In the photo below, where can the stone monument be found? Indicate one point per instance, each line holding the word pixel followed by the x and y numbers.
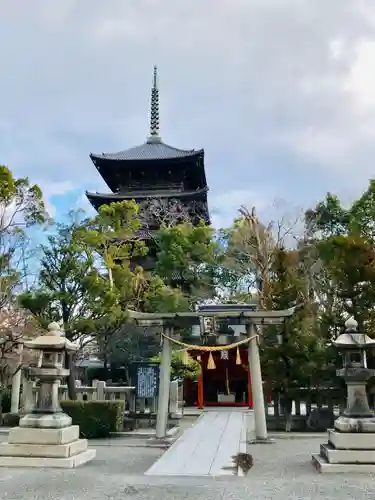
pixel 46 437
pixel 351 444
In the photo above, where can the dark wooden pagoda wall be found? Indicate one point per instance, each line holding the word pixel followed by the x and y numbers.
pixel 182 174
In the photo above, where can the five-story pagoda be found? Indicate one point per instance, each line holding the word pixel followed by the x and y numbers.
pixel 164 178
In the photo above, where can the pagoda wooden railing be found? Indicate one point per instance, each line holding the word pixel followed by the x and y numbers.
pixel 155 186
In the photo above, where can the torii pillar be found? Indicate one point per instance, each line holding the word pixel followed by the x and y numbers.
pixel 16 382
pixel 261 435
pixel 164 385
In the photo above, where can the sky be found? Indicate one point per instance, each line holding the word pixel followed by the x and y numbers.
pixel 279 93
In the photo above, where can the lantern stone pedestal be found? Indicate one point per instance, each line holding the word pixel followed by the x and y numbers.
pixel 46 436
pixel 351 444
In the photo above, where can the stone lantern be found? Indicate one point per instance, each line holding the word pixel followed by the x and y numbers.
pixel 46 437
pixel 50 371
pixel 351 444
pixel 353 346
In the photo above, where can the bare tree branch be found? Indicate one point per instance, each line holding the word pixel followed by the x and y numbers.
pixel 252 249
pixel 157 212
pixel 16 326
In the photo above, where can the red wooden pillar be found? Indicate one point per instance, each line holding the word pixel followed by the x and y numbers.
pixel 269 397
pixel 249 389
pixel 200 402
pixel 200 392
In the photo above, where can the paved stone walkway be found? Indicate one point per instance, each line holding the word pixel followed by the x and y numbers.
pixel 206 448
pixel 282 471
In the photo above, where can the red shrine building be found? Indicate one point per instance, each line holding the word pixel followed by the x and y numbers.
pixel 226 381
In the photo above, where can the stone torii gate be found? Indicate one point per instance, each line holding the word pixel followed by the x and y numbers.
pixel 172 322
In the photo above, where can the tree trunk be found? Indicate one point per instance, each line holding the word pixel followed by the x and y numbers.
pixel 105 358
pixel 287 403
pixel 127 377
pixel 69 365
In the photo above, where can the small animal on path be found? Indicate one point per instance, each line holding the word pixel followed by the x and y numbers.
pixel 243 461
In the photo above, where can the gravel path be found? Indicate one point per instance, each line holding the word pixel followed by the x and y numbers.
pixel 282 471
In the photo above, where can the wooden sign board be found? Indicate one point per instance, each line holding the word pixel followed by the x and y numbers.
pixel 147 382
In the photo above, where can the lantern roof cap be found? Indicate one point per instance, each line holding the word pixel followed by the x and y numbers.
pixel 351 324
pixel 352 339
pixel 54 339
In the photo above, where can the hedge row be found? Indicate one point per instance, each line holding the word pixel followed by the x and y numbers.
pixel 96 419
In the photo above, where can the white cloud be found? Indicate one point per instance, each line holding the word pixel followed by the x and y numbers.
pixel 274 90
pixel 224 206
pixel 82 203
pixel 323 146
pixel 336 48
pixel 360 81
pixel 51 189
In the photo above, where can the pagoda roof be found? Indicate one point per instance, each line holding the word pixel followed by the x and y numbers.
pixel 149 193
pixel 150 150
pixel 154 148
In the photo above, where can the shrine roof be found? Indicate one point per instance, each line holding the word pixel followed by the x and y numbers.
pixel 150 150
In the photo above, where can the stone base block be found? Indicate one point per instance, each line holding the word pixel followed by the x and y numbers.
pixel 351 440
pixel 348 424
pixel 334 456
pixel 44 462
pixel 45 451
pixel 261 441
pixel 53 421
pixel 25 435
pixel 323 466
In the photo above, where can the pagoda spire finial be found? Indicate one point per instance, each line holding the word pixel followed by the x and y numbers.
pixel 154 110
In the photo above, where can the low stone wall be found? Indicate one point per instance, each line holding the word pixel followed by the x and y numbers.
pixel 98 392
pixel 318 420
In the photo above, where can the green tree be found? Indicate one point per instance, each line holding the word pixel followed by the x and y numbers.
pixel 112 237
pixel 250 248
pixel 344 243
pixel 128 345
pixel 349 262
pixel 362 214
pixel 185 259
pixel 296 361
pixel 302 357
pixel 328 218
pixel 71 290
pixel 21 210
pixel 181 367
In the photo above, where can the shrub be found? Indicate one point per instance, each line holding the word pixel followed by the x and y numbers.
pixel 5 399
pixel 182 366
pixel 11 420
pixel 96 419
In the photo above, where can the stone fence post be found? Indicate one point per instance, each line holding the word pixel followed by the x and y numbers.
pixel 100 389
pixel 174 409
pixel 27 403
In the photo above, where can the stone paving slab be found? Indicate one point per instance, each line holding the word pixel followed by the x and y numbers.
pixel 282 471
pixel 206 448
